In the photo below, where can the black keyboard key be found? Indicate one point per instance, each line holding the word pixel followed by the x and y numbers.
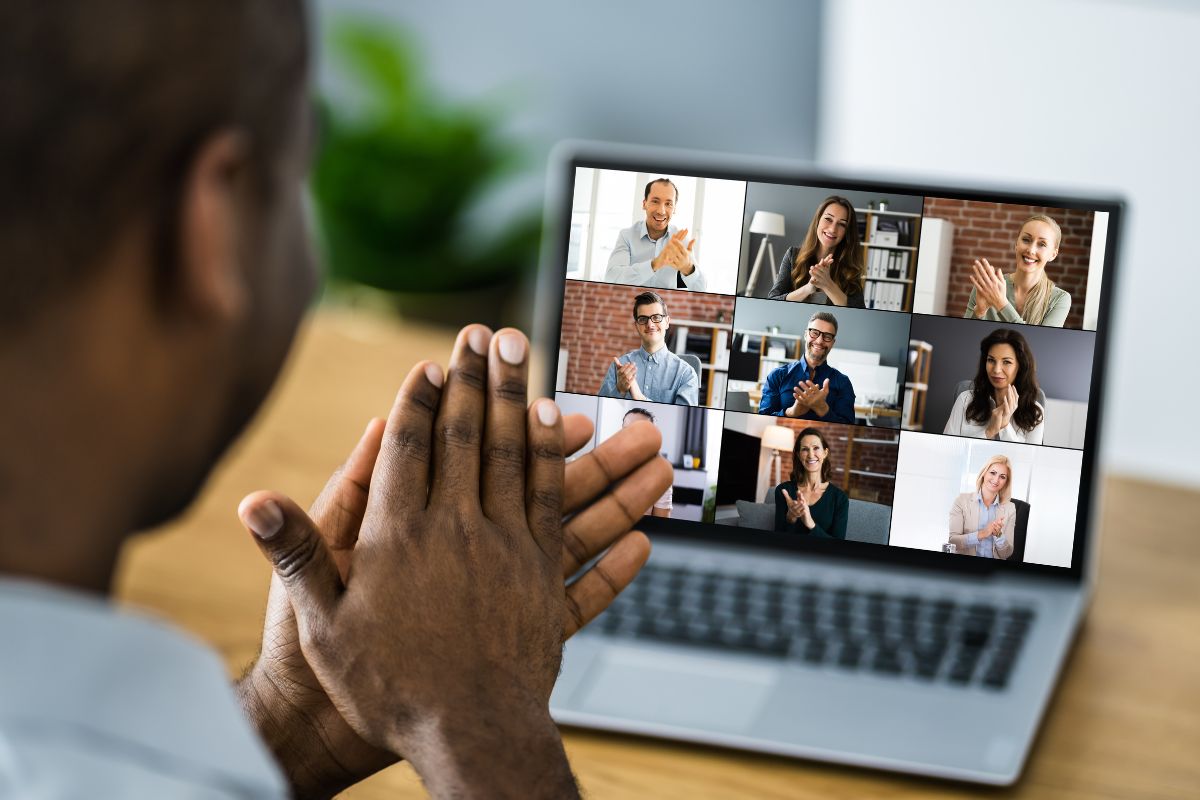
pixel 850 655
pixel 887 661
pixel 814 651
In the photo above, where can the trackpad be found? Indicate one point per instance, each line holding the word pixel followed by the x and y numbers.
pixel 693 691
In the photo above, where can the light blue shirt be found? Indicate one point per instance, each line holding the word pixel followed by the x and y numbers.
pixel 663 377
pixel 987 515
pixel 631 257
pixel 96 702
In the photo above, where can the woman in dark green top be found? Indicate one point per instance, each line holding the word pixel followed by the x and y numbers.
pixel 809 503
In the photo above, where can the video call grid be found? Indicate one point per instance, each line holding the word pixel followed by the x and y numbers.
pixel 809 308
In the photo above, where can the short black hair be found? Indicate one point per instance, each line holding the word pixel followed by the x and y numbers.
pixel 825 316
pixel 648 298
pixel 639 410
pixel 105 106
pixel 646 194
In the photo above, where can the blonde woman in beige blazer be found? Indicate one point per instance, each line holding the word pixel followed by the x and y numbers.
pixel 982 522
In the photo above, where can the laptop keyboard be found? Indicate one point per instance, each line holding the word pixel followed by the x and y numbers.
pixel 932 639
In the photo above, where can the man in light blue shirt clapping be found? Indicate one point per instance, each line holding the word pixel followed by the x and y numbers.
pixel 654 252
pixel 652 373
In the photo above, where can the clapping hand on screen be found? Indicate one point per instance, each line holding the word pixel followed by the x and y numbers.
pixel 797 509
pixel 990 289
pixel 1003 412
pixel 676 254
pixel 993 528
pixel 627 379
pixel 819 275
pixel 808 396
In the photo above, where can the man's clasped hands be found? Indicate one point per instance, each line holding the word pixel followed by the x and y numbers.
pixel 420 608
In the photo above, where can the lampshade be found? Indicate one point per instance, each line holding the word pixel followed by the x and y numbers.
pixel 767 222
pixel 777 437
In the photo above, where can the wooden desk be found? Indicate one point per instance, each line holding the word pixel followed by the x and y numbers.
pixel 1125 722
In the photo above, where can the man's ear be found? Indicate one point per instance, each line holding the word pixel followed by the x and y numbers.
pixel 211 218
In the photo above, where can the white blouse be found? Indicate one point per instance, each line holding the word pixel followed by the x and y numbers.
pixel 959 425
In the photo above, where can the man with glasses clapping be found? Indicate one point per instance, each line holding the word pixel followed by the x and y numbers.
pixel 810 388
pixel 652 373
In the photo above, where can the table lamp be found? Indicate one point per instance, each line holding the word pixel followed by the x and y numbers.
pixel 777 438
pixel 769 224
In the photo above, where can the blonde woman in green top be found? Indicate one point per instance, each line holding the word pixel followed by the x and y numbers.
pixel 998 297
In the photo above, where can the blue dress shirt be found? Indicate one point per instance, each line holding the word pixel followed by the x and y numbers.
pixel 987 514
pixel 631 257
pixel 777 395
pixel 663 376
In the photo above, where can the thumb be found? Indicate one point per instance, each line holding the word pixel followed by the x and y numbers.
pixel 691 244
pixel 296 550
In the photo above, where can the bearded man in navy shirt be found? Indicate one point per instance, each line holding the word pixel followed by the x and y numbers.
pixel 810 388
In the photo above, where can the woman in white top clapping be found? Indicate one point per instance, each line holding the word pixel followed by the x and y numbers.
pixel 1002 404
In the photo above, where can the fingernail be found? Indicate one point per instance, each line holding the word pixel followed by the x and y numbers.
pixel 265 519
pixel 547 413
pixel 512 348
pixel 478 340
pixel 433 374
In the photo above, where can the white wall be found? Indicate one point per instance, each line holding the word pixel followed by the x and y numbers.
pixel 1056 94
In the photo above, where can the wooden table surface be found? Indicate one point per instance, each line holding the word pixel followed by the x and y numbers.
pixel 1125 722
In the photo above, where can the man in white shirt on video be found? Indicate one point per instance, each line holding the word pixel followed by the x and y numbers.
pixel 654 252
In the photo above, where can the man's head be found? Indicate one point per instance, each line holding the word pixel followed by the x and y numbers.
pixel 153 157
pixel 650 320
pixel 636 415
pixel 659 202
pixel 819 337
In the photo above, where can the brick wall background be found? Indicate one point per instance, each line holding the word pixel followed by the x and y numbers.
pixel 848 441
pixel 989 230
pixel 598 325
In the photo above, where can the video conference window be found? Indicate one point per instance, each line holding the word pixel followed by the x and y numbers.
pixel 854 365
pixel 691 443
pixel 655 230
pixel 986 380
pixel 830 246
pixel 646 345
pixel 828 364
pixel 1009 263
pixel 986 499
pixel 807 478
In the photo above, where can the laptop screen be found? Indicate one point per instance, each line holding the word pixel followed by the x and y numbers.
pixel 897 372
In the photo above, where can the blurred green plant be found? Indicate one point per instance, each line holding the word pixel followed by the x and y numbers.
pixel 398 172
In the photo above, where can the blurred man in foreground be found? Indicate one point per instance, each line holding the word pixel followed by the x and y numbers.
pixel 154 265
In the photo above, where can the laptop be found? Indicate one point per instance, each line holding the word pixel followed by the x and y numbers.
pixel 880 539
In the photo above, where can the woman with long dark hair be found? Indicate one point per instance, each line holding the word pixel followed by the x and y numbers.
pixel 810 503
pixel 1002 403
pixel 1026 295
pixel 828 267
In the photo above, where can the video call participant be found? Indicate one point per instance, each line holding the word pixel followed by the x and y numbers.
pixel 808 502
pixel 662 506
pixel 828 266
pixel 654 252
pixel 982 522
pixel 652 373
pixel 810 388
pixel 997 296
pixel 1003 402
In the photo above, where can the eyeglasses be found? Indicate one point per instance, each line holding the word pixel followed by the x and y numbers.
pixel 655 318
pixel 813 333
